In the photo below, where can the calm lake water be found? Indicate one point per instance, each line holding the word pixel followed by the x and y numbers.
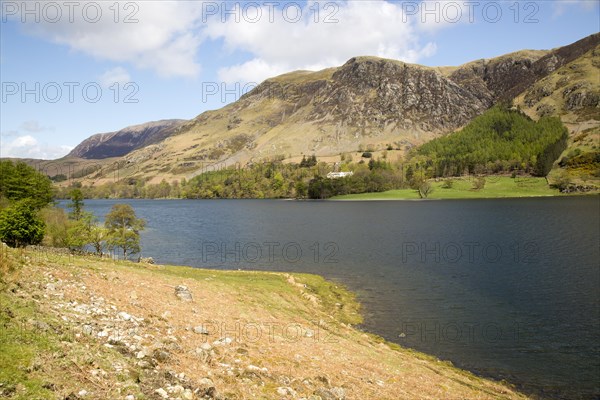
pixel 505 288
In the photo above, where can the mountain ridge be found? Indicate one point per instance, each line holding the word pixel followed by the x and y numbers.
pixel 123 141
pixel 366 103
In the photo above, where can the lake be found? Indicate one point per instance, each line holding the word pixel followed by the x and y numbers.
pixel 506 288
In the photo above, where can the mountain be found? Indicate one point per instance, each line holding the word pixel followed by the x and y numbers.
pixel 571 91
pixel 116 144
pixel 505 77
pixel 368 103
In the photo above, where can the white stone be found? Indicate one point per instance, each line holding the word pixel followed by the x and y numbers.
pixel 123 315
pixel 225 340
pixel 175 389
pixel 205 382
pixel 205 346
pixel 200 330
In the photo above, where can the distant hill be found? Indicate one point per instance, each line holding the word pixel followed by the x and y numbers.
pixel 120 143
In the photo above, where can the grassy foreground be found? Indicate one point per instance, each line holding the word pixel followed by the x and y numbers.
pixel 462 188
pixel 74 327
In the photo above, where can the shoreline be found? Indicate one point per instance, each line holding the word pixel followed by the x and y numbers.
pixel 324 313
pixel 472 198
pixel 337 198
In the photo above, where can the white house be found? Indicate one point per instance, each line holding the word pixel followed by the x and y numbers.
pixel 334 175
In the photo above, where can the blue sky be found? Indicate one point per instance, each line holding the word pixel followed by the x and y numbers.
pixel 72 69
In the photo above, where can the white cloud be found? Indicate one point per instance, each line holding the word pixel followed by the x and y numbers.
pixel 561 6
pixel 26 146
pixel 163 38
pixel 34 126
pixel 373 28
pixel 168 35
pixel 115 75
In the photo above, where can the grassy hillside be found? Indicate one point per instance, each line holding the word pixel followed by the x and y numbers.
pixel 85 328
pixel 463 188
pixel 572 92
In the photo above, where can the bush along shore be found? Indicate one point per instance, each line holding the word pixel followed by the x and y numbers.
pixel 84 327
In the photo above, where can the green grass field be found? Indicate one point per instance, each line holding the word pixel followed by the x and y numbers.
pixel 462 188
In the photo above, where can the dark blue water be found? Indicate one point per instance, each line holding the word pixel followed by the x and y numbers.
pixel 505 288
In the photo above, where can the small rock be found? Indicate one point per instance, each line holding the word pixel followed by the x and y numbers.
pixel 115 340
pixel 41 325
pixel 124 316
pixel 87 330
pixel 162 393
pixel 144 364
pixel 129 397
pixel 339 393
pixel 286 391
pixel 254 368
pixel 200 330
pixel 205 346
pixel 161 355
pixel 223 341
pixel 82 393
pixel 205 382
pixel 335 393
pixel 175 389
pixel 183 293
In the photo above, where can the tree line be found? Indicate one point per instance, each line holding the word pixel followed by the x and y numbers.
pixel 28 216
pixel 500 141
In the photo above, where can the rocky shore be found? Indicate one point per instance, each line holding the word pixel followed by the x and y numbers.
pixel 77 327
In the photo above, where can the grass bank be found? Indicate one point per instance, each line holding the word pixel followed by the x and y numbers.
pixel 462 188
pixel 75 327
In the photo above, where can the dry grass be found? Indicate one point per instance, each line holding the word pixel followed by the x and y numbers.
pixel 298 327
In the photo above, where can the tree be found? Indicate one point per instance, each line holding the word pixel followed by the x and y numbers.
pixel 301 189
pixel 479 183
pixel 20 225
pixel 563 181
pixel 87 231
pixel 308 162
pixel 98 235
pixel 278 181
pixel 79 232
pixel 76 204
pixel 425 189
pixel 123 228
pixel 20 181
pixel 448 183
pixel 57 225
pixel 320 188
